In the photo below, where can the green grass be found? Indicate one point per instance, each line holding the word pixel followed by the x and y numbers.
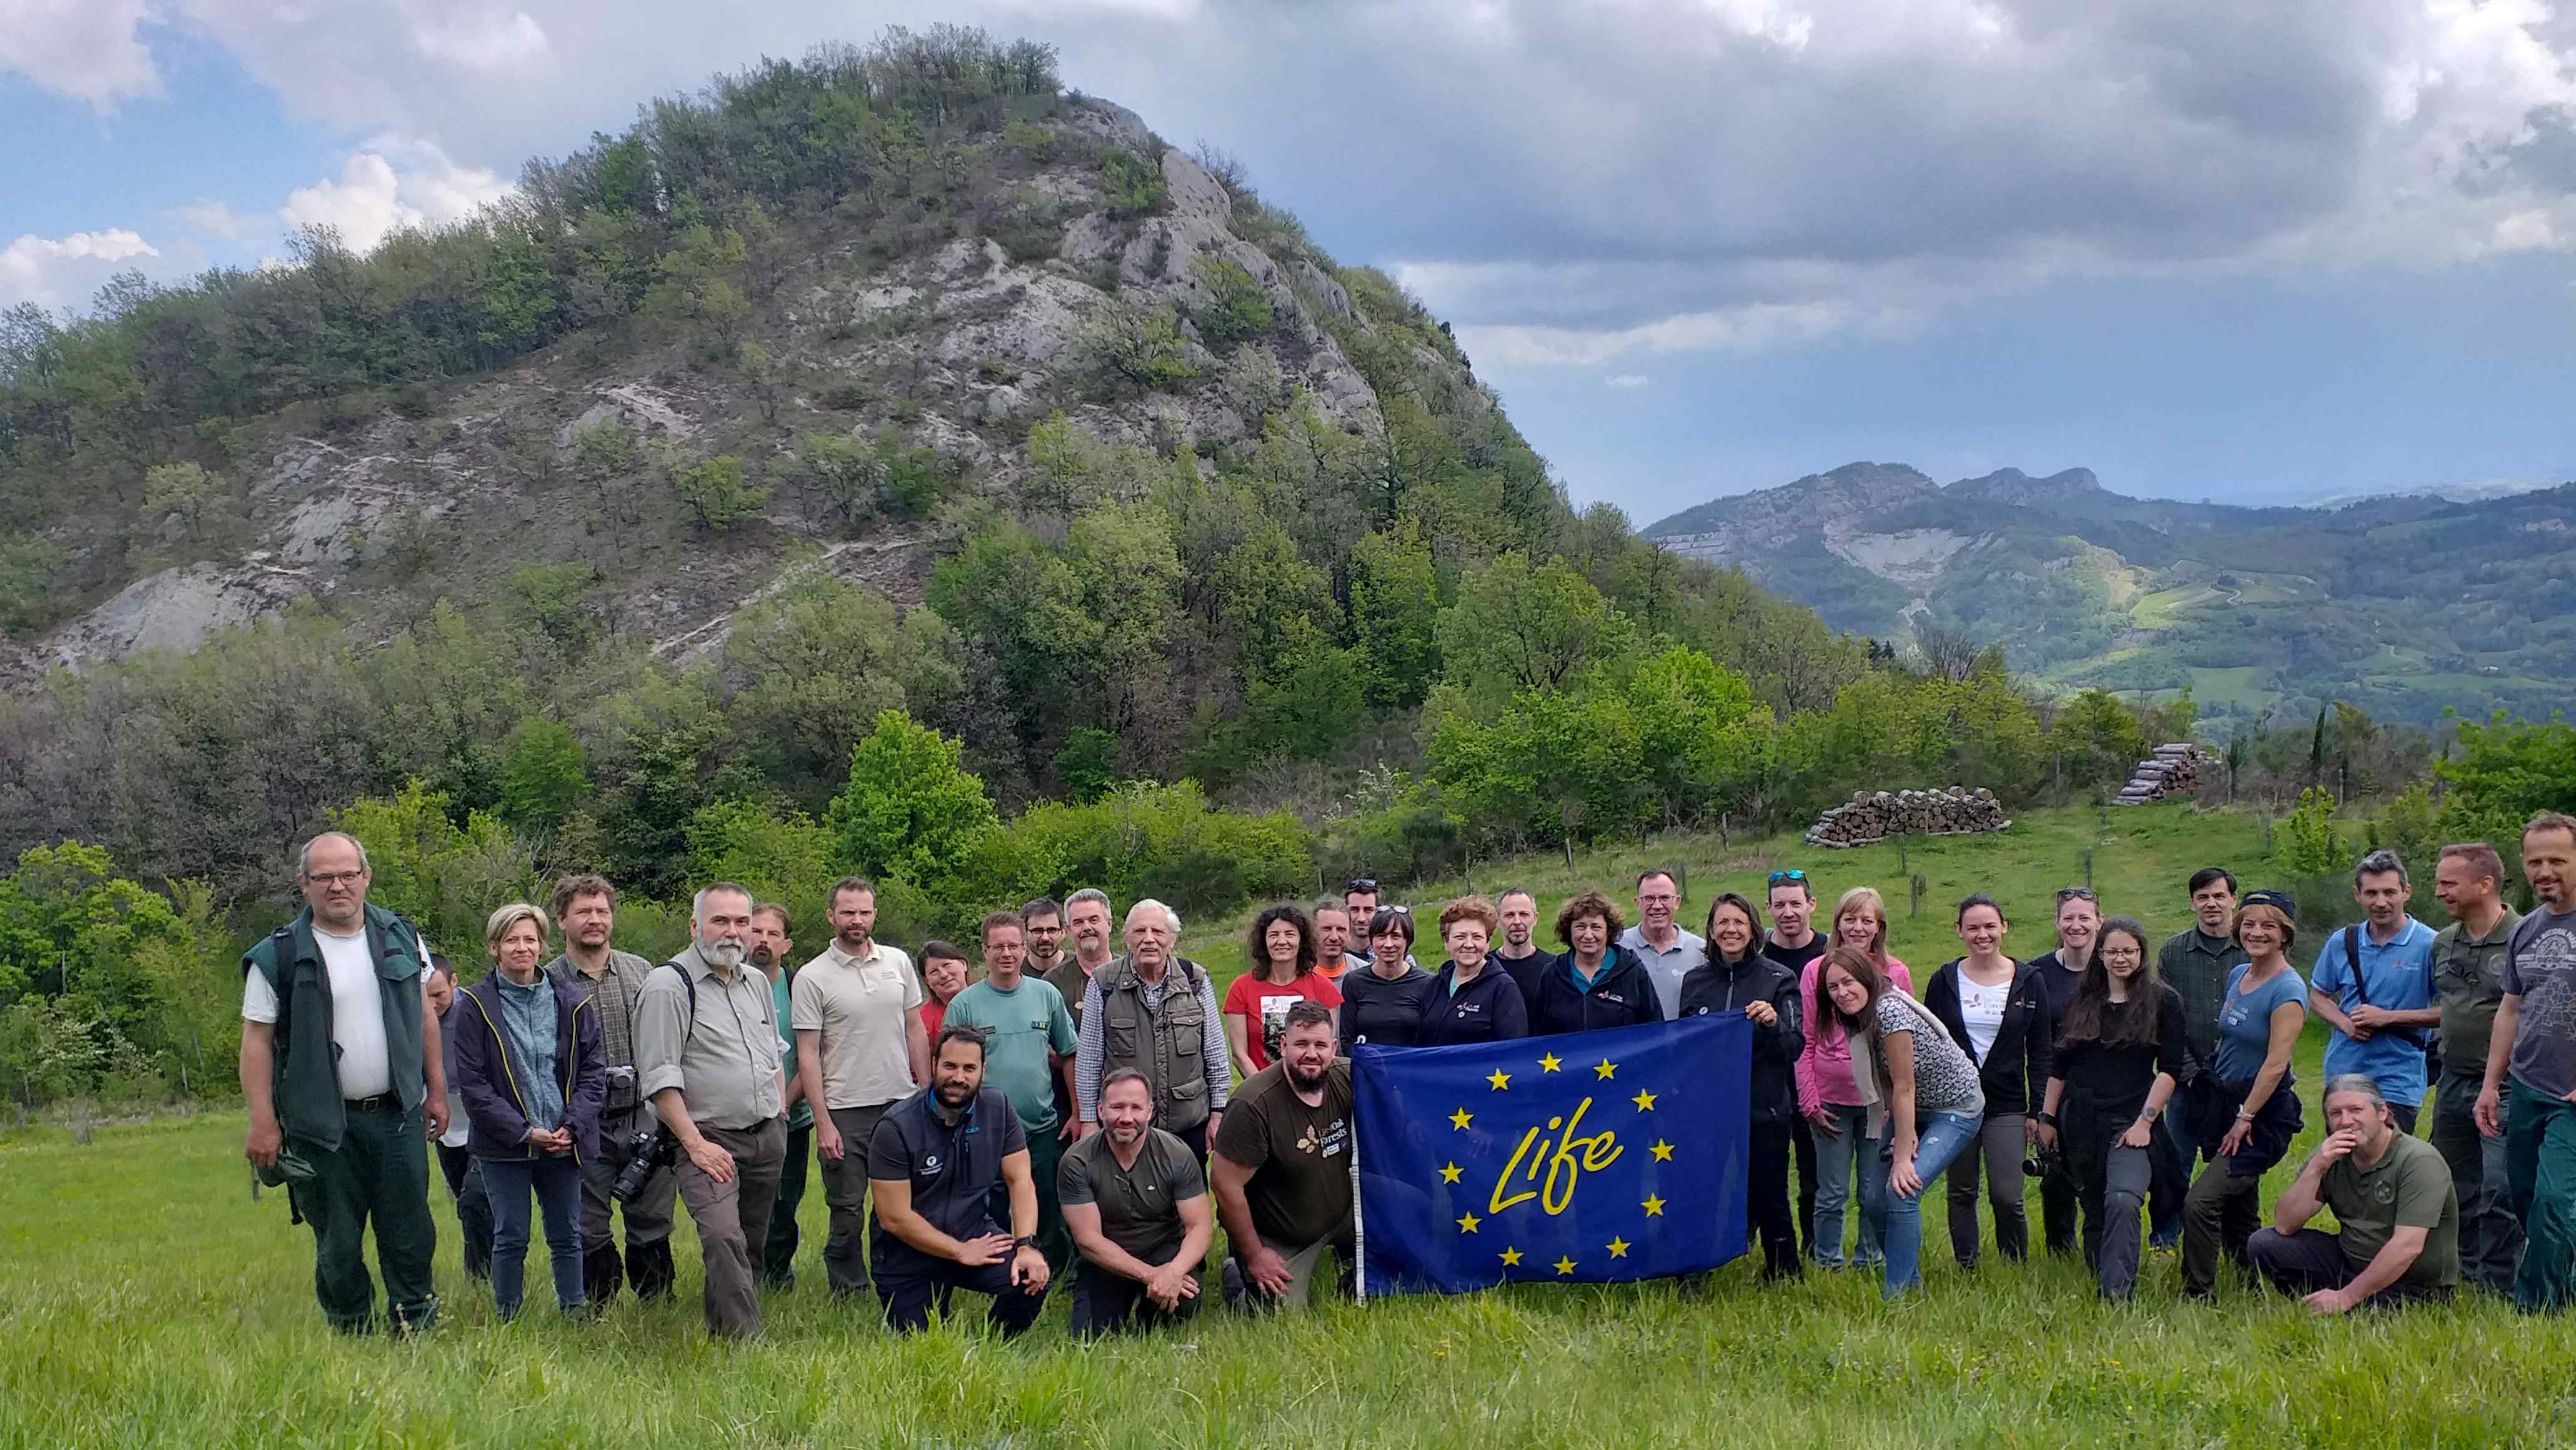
pixel 145 1299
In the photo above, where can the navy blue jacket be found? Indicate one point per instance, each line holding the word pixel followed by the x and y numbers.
pixel 487 1072
pixel 1622 996
pixel 1488 1009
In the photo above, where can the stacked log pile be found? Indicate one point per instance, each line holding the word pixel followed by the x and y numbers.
pixel 1874 816
pixel 2172 770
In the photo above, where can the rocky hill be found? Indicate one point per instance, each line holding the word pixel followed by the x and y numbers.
pixel 893 378
pixel 2405 604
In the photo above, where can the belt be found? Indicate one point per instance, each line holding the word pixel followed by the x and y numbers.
pixel 380 1103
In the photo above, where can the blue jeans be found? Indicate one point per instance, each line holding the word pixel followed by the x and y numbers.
pixel 1837 1158
pixel 1898 1217
pixel 557 1184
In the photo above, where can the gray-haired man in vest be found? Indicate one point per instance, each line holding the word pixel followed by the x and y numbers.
pixel 340 1067
pixel 1155 1012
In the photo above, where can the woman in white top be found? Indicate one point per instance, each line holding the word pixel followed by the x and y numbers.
pixel 1997 1011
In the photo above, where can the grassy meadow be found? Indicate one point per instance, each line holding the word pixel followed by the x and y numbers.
pixel 146 1299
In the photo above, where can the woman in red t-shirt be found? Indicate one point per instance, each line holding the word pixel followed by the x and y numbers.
pixel 1281 949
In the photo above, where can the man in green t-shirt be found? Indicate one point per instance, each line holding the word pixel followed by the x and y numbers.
pixel 1028 1051
pixel 2390 1192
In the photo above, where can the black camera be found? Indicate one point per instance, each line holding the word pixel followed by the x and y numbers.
pixel 649 1152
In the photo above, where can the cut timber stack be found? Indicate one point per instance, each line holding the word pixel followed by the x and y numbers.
pixel 1875 816
pixel 2173 770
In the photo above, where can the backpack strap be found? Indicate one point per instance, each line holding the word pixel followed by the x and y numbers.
pixel 282 941
pixel 2352 958
pixel 688 988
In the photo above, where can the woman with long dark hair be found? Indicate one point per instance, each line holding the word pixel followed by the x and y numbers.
pixel 1828 1097
pixel 2120 1055
pixel 1924 1105
pixel 1280 949
pixel 1997 1009
pixel 1737 978
pixel 2244 1109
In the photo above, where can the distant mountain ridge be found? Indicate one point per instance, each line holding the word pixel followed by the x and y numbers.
pixel 2406 604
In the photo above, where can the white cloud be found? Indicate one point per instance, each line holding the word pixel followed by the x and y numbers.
pixel 221 220
pixel 1626 380
pixel 89 49
pixel 372 199
pixel 55 272
pixel 482 40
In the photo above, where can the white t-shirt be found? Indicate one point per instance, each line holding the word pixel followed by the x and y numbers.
pixel 1981 1010
pixel 366 1063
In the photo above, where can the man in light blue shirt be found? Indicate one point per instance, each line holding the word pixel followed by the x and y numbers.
pixel 2374 984
pixel 1662 946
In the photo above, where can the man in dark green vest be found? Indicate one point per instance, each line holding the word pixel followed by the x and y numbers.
pixel 340 1064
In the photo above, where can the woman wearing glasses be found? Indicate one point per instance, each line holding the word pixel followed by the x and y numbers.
pixel 1995 1009
pixel 2245 1110
pixel 1829 1097
pixel 1471 999
pixel 1382 1002
pixel 2118 1058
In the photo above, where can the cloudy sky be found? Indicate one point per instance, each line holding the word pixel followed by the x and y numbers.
pixel 2204 247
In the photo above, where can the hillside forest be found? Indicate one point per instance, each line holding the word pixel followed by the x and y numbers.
pixel 890 462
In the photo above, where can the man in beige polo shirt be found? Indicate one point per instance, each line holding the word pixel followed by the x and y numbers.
pixel 860 1048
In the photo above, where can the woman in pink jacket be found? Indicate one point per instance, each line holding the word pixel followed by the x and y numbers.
pixel 1827 1094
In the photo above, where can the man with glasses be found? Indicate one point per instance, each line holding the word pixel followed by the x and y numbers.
pixel 2468 971
pixel 346 1082
pixel 1663 947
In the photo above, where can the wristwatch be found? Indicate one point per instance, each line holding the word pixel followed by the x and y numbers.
pixel 1025 1241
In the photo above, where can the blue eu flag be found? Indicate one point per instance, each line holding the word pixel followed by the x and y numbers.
pixel 1591 1157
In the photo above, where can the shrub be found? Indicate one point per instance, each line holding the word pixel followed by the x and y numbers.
pixel 1237 310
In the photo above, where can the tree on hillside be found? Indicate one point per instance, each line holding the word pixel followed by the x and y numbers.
pixel 1516 628
pixel 910 808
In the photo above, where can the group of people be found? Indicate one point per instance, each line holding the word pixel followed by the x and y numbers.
pixel 1092 1106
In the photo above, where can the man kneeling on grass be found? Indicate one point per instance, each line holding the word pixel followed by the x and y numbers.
pixel 933 1166
pixel 1283 1166
pixel 1138 1208
pixel 2390 1193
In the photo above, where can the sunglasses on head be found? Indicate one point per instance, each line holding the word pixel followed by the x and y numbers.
pixel 2076 893
pixel 1792 874
pixel 1398 910
pixel 1359 883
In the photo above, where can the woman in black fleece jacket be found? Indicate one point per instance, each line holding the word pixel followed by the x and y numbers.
pixel 2013 1070
pixel 1737 977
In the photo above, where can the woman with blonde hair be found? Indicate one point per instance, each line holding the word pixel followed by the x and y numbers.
pixel 1829 1099
pixel 533 1075
pixel 1470 999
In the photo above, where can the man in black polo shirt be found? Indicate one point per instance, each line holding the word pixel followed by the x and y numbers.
pixel 933 1165
pixel 1138 1207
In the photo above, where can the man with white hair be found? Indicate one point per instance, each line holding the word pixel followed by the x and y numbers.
pixel 2396 1214
pixel 709 1060
pixel 1155 1012
pixel 345 1080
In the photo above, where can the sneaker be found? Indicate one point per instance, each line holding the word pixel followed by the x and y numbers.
pixel 1230 1280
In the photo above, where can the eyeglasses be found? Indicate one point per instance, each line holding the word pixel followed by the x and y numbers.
pixel 1792 874
pixel 1398 910
pixel 1359 883
pixel 335 878
pixel 2076 893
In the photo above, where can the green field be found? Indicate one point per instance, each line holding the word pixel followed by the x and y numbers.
pixel 145 1299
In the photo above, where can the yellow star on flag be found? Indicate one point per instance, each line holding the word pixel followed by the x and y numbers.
pixel 1511 1258
pixel 1460 1119
pixel 1467 1225
pixel 1653 1206
pixel 1565 1266
pixel 1618 1248
pixel 1550 1063
pixel 1663 1151
pixel 1499 1078
pixel 1449 1172
pixel 1644 1100
pixel 1605 1068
